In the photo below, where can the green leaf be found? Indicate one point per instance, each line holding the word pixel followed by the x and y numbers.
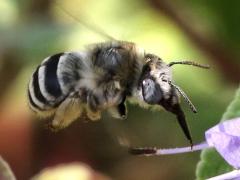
pixel 211 163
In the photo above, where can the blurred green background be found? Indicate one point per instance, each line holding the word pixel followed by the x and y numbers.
pixel 199 30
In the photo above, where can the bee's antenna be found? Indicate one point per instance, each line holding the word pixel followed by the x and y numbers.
pixel 190 63
pixel 85 23
pixel 184 96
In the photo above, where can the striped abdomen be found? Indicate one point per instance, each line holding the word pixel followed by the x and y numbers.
pixel 53 81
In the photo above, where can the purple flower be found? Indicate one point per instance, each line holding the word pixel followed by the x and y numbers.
pixel 225 137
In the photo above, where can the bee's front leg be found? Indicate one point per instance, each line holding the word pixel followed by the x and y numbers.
pixel 119 111
pixel 122 109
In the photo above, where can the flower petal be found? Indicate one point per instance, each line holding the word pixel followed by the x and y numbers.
pixel 225 137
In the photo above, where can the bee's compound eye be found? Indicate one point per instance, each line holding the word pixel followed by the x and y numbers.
pixel 146 83
pixel 151 91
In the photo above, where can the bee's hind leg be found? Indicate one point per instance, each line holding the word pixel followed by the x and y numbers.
pixel 68 111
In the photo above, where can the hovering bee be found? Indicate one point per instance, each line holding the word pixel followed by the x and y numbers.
pixel 68 85
pixel 71 85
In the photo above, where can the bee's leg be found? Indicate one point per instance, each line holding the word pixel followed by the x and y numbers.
pixel 45 114
pixel 93 115
pixel 92 109
pixel 122 110
pixel 119 111
pixel 68 111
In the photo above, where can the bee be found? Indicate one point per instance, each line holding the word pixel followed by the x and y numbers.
pixel 70 85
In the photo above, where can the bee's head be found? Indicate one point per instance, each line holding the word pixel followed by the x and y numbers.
pixel 157 88
pixel 154 80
